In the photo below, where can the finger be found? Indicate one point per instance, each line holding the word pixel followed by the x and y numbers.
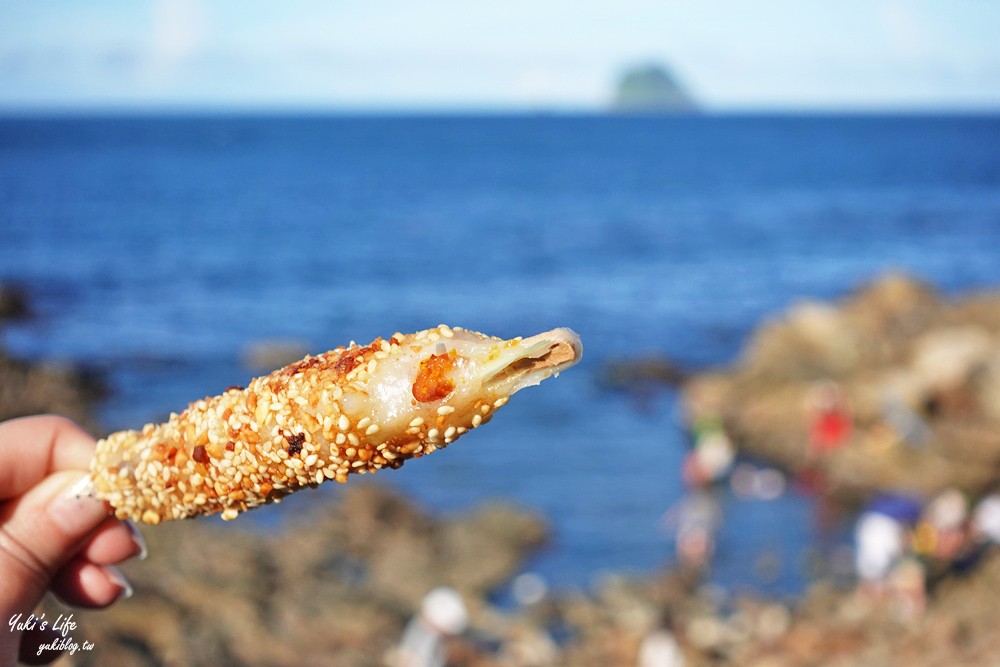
pixel 33 447
pixel 84 584
pixel 114 541
pixel 39 532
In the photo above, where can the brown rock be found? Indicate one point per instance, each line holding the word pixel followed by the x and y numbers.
pixel 920 378
pixel 333 587
pixel 13 302
pixel 28 388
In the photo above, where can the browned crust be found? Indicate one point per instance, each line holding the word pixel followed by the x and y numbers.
pixel 284 431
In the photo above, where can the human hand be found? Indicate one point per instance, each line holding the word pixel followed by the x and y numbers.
pixel 51 538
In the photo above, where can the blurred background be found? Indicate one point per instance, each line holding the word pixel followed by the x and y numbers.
pixel 187 186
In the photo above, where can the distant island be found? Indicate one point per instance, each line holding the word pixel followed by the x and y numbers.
pixel 651 88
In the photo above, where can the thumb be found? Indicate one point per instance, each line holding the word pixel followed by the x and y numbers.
pixel 40 532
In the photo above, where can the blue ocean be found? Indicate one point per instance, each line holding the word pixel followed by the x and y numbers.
pixel 157 248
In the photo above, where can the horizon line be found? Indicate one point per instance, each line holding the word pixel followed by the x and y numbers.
pixel 249 110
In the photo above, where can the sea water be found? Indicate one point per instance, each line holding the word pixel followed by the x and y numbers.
pixel 158 248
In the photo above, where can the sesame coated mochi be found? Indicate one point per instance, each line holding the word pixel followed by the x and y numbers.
pixel 351 410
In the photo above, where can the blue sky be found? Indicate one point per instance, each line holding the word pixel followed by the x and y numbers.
pixel 514 55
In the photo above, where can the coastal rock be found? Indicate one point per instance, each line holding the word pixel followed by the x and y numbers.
pixel 13 302
pixel 812 341
pixel 268 354
pixel 835 628
pixel 642 374
pixel 917 375
pixel 830 626
pixel 334 586
pixel 945 359
pixel 38 387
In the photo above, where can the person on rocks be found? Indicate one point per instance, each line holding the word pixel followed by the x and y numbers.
pixel 986 519
pixel 886 569
pixel 695 520
pixel 712 456
pixel 442 615
pixel 902 422
pixel 660 648
pixel 941 533
pixel 831 424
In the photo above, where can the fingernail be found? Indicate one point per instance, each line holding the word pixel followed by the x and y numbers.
pixel 138 539
pixel 116 576
pixel 82 487
pixel 75 510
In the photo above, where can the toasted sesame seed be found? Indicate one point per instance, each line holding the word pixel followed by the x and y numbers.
pixel 242 435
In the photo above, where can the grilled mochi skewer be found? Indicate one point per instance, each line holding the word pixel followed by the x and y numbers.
pixel 350 410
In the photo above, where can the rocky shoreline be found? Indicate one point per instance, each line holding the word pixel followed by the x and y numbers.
pixel 917 375
pixel 31 388
pixel 335 586
pixel 338 583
